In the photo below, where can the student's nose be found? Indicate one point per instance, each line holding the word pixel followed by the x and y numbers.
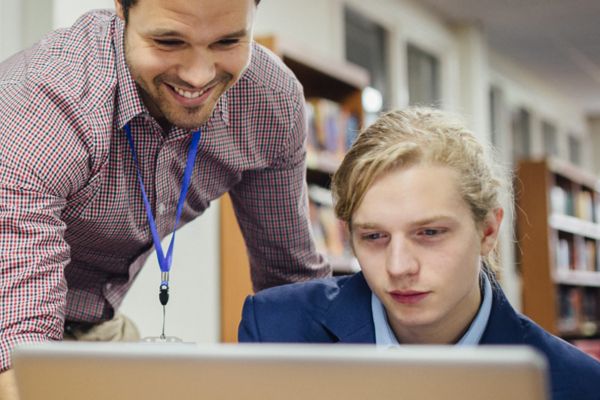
pixel 401 258
pixel 198 68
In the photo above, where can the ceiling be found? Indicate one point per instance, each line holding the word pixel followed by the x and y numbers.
pixel 557 40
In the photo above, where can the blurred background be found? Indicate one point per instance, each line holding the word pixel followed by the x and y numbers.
pixel 526 76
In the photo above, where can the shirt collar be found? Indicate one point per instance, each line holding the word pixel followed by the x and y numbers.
pixel 128 101
pixel 384 336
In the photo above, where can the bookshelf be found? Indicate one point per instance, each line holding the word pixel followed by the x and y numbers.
pixel 558 228
pixel 333 92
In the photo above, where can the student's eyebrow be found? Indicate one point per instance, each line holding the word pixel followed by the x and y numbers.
pixel 420 222
pixel 433 219
pixel 364 225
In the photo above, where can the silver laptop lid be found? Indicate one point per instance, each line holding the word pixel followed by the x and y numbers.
pixel 70 370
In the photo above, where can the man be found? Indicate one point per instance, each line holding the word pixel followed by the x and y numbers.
pixel 74 230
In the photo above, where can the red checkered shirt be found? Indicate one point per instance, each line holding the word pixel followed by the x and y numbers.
pixel 73 229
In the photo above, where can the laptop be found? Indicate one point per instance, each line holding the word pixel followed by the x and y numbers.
pixel 150 371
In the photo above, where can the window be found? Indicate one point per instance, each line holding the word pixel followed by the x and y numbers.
pixel 550 139
pixel 521 133
pixel 496 107
pixel 574 150
pixel 366 44
pixel 423 78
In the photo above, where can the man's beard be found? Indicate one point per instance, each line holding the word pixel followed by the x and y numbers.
pixel 164 108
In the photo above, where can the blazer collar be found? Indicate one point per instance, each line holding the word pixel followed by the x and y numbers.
pixel 350 317
pixel 504 326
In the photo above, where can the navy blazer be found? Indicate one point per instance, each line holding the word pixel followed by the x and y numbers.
pixel 338 310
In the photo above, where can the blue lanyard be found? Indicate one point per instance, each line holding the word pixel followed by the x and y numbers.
pixel 165 262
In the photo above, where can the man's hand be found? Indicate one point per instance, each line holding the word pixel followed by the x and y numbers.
pixel 8 386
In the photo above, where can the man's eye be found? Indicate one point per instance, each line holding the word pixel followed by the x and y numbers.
pixel 168 42
pixel 228 42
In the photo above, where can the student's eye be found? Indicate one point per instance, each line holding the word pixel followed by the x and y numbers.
pixel 372 236
pixel 431 232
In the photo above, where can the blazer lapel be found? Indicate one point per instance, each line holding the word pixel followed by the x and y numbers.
pixel 503 326
pixel 350 317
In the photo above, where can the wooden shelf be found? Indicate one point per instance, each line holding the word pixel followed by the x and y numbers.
pixel 322 77
pixel 577 278
pixel 573 173
pixel 559 299
pixel 576 226
pixel 308 65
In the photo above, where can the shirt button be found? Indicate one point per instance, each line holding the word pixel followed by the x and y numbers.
pixel 108 286
pixel 161 208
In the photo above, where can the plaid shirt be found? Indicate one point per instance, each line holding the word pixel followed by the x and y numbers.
pixel 71 212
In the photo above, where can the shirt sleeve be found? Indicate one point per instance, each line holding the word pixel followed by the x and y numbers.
pixel 32 258
pixel 271 206
pixel 37 146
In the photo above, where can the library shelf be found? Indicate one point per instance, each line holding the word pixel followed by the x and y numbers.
pixel 576 226
pixel 577 278
pixel 558 231
pixel 335 85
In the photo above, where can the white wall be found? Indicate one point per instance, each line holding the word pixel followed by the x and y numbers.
pixel 318 25
pixel 10 29
pixel 193 308
pixel 65 12
pixel 594 128
pixel 521 88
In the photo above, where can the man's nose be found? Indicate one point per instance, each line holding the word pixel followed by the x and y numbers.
pixel 198 68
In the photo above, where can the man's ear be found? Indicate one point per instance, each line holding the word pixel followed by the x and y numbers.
pixel 490 230
pixel 119 9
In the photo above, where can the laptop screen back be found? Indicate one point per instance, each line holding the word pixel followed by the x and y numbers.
pixel 115 371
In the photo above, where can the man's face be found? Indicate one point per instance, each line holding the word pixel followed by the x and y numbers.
pixel 184 54
pixel 419 249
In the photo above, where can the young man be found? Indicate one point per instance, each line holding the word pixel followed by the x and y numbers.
pixel 421 200
pixel 74 229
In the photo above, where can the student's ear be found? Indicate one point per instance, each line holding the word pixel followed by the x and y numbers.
pixel 490 230
pixel 119 9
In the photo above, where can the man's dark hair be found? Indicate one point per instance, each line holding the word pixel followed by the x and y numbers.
pixel 127 4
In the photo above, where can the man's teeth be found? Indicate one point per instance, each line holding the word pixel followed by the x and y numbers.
pixel 186 94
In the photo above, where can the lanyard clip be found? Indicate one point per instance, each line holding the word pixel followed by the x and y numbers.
pixel 163 296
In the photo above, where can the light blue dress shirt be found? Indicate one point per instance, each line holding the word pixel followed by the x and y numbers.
pixel 384 336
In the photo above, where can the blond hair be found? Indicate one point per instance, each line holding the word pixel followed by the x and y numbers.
pixel 421 136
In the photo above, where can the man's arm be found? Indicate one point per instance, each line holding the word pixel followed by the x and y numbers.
pixel 33 254
pixel 8 386
pixel 37 174
pixel 271 206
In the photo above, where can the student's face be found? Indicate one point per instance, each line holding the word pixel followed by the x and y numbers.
pixel 419 249
pixel 184 54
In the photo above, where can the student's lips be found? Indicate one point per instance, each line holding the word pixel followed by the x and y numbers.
pixel 408 296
